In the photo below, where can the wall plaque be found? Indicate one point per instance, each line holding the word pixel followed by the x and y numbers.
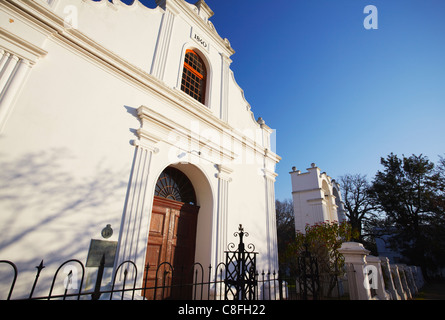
pixel 199 39
pixel 97 249
pixel 107 231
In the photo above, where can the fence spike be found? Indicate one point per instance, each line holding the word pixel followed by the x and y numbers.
pixel 40 267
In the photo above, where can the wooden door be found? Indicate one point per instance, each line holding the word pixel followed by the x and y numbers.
pixel 170 249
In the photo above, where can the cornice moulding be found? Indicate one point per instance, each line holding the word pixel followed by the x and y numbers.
pixel 272 155
pixel 22 48
pixel 270 174
pixel 224 169
pixel 143 144
pixel 32 10
pixel 307 190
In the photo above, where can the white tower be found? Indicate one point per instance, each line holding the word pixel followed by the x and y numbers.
pixel 316 198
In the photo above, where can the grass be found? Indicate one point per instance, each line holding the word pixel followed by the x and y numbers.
pixel 432 291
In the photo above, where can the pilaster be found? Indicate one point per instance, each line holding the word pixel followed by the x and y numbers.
pixel 164 38
pixel 224 180
pixel 225 72
pixel 271 223
pixel 13 71
pixel 137 212
pixel 135 222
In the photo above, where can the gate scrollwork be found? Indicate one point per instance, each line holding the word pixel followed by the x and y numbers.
pixel 240 279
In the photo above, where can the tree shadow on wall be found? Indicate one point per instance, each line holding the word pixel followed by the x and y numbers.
pixel 50 207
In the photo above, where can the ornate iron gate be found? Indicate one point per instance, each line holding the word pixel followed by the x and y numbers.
pixel 240 279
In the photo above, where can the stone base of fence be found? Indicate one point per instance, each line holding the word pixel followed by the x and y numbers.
pixel 373 278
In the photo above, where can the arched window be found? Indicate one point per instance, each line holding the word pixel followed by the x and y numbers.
pixel 194 76
pixel 174 185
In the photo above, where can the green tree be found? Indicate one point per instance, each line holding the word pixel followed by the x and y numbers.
pixel 438 204
pixel 436 234
pixel 407 191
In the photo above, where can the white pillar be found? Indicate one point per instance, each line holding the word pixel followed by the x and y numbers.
pixel 404 281
pixel 9 62
pixel 219 238
pixel 355 260
pixel 386 268
pixel 220 229
pixel 271 222
pixel 410 280
pixel 137 212
pixel 380 285
pixel 398 282
pixel 225 71
pixel 13 71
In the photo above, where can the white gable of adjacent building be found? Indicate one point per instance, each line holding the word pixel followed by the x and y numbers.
pixel 316 198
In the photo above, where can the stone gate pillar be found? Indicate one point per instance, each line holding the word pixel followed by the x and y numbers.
pixel 355 260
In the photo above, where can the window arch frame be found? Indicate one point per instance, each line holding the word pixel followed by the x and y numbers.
pixel 173 184
pixel 204 77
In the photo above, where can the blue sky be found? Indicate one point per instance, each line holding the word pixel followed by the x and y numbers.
pixel 337 94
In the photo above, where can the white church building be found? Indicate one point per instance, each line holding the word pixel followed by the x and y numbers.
pixel 122 127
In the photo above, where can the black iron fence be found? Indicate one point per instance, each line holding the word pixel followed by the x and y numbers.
pixel 210 284
pixel 235 279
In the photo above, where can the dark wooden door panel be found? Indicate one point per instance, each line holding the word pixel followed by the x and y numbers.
pixel 172 239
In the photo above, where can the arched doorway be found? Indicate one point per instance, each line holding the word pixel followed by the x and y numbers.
pixel 172 237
